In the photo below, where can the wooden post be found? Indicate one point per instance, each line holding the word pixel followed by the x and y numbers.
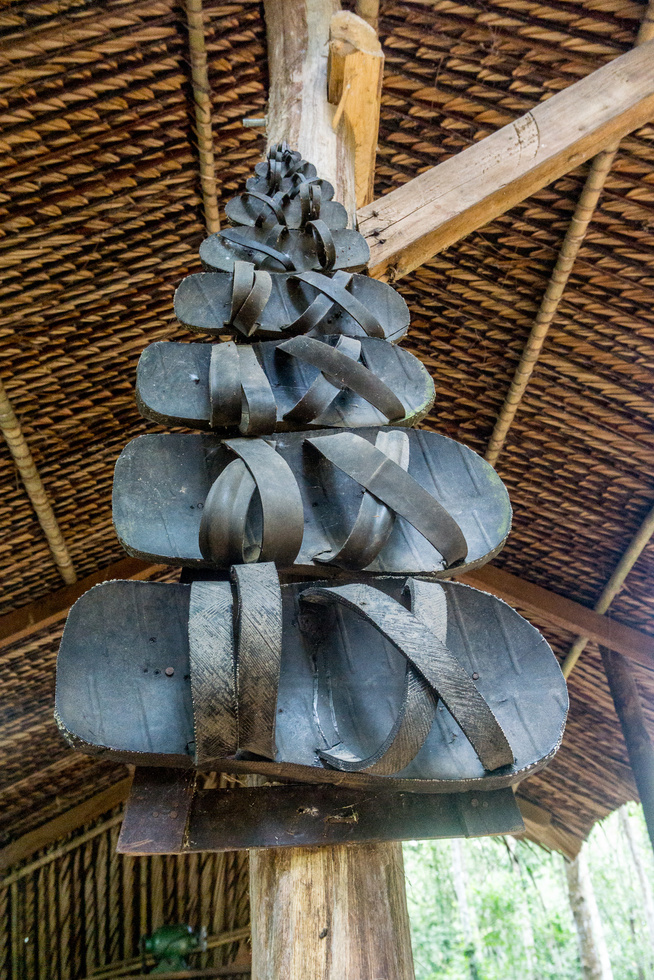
pixel 632 721
pixel 330 913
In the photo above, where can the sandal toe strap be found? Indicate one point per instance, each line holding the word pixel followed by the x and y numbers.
pixel 251 289
pixel 415 634
pixel 235 663
pixel 390 483
pixel 224 524
pixel 342 370
pixel 238 238
pixel 334 288
pixel 239 390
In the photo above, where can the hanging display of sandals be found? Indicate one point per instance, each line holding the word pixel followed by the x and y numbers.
pixel 376 671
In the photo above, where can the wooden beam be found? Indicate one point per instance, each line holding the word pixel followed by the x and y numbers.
pixel 574 237
pixel 338 912
pixel 569 615
pixel 52 609
pixel 298 110
pixel 411 224
pixel 572 616
pixel 355 74
pixel 64 824
pixel 629 710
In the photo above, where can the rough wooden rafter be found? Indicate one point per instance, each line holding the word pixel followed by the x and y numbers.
pixel 413 223
pixel 19 449
pixel 552 608
pixel 574 237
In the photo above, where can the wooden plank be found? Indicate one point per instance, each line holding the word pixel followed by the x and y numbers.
pixel 411 224
pixel 53 608
pixel 355 74
pixel 62 825
pixel 165 816
pixel 572 616
pixel 157 811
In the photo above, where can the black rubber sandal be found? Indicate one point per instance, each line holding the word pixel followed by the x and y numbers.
pixel 279 386
pixel 268 306
pixel 308 200
pixel 282 169
pixel 262 305
pixel 277 248
pixel 399 501
pixel 416 686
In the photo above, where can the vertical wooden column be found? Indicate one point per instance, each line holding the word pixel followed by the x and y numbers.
pixel 632 721
pixel 329 913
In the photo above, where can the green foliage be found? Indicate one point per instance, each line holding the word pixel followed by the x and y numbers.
pixel 519 905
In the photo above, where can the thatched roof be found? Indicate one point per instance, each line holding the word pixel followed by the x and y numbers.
pixel 101 218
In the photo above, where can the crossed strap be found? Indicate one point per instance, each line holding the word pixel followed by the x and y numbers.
pixel 251 290
pixel 235 663
pixel 320 231
pixel 240 392
pixel 310 196
pixel 227 533
pixel 432 672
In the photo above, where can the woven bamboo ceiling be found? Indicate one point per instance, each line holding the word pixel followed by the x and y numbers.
pixel 101 217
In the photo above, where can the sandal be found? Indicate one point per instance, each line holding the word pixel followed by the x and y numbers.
pixel 279 386
pixel 399 501
pixel 281 168
pixel 278 248
pixel 417 686
pixel 307 201
pixel 272 305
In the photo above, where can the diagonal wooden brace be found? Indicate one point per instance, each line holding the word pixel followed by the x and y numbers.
pixel 410 225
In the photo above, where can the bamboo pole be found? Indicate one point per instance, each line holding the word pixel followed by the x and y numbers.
pixel 202 99
pixel 327 913
pixel 26 466
pixel 636 546
pixel 583 213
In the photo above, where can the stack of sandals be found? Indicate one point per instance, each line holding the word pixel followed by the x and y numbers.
pixel 376 670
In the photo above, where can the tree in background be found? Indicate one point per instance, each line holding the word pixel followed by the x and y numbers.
pixel 517 888
pixel 593 951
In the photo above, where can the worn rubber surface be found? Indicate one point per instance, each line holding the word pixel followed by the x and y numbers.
pixel 218 254
pixel 340 680
pixel 172 384
pixel 161 484
pixel 203 302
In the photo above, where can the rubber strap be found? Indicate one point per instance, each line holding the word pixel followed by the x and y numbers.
pixel 269 202
pixel 310 202
pixel 251 291
pixel 224 385
pixel 319 308
pixel 259 652
pixel 322 392
pixel 344 372
pixel 224 517
pixel 324 242
pixel 237 238
pixel 347 302
pixel 213 681
pixel 258 405
pixel 389 483
pixel 374 521
pixel 428 655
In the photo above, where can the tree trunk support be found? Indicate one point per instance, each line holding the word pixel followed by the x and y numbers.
pixel 629 710
pixel 326 913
